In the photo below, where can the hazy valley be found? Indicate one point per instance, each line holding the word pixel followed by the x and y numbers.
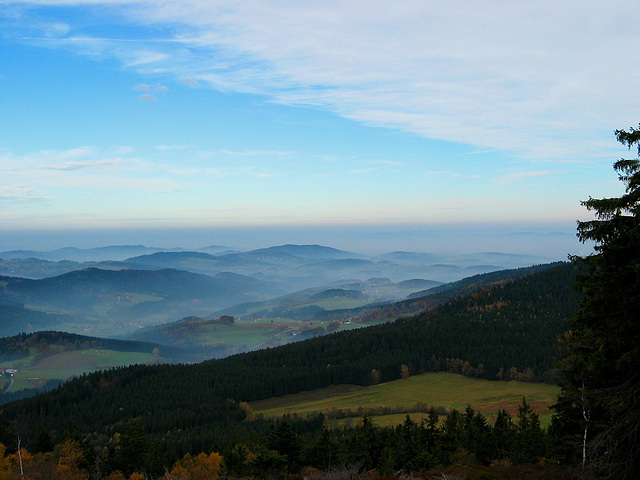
pixel 106 292
pixel 194 306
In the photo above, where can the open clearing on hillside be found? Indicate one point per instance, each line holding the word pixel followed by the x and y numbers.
pixel 247 335
pixel 440 389
pixel 62 365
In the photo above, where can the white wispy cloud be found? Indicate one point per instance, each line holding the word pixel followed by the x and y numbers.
pixel 75 152
pixel 172 147
pixel 192 82
pixel 257 153
pixel 363 170
pixel 517 176
pixel 385 162
pixel 532 78
pixel 20 193
pixel 137 58
pixel 81 165
pixel 117 168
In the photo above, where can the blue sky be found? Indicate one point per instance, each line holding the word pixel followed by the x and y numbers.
pixel 120 118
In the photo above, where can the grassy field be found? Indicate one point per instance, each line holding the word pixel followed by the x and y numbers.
pixel 258 333
pixel 436 389
pixel 249 334
pixel 62 365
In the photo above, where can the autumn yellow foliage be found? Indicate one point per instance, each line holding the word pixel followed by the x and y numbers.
pixel 200 467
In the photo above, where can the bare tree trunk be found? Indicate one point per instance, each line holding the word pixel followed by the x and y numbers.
pixel 20 457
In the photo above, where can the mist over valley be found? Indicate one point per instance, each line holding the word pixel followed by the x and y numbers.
pixel 108 296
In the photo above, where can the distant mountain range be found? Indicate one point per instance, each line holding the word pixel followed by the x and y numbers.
pixel 115 289
pixel 294 266
pixel 111 252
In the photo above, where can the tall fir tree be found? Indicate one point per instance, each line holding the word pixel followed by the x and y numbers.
pixel 600 400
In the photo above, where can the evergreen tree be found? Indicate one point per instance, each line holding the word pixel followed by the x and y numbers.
pixel 366 443
pixel 600 400
pixel 477 439
pixel 325 452
pixel 408 444
pixel 43 442
pixel 286 442
pixel 529 444
pixel 133 449
pixel 502 436
pixel 451 438
pixel 73 434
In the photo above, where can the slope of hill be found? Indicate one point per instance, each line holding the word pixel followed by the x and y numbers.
pixel 305 251
pixel 16 318
pixel 507 331
pixel 40 361
pixel 198 262
pixel 313 312
pixel 114 301
pixel 111 252
pixel 338 293
pixel 19 347
pixel 418 284
pixel 428 299
pixel 35 268
pixel 217 338
pixel 415 394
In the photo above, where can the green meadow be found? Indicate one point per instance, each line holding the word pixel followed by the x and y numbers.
pixel 440 389
pixel 250 334
pixel 245 335
pixel 33 372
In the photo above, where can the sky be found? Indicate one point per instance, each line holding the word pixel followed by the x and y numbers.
pixel 418 125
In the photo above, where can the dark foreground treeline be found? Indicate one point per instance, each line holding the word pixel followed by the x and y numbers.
pixel 509 331
pixel 294 448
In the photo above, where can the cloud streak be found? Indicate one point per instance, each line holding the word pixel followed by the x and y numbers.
pixel 518 176
pixel 81 165
pixel 100 168
pixel 534 79
pixel 18 193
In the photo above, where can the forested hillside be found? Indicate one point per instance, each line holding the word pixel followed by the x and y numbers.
pixel 511 328
pixel 110 302
pixel 17 318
